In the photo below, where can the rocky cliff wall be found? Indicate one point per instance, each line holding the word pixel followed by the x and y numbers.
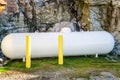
pixel 91 14
pixel 105 15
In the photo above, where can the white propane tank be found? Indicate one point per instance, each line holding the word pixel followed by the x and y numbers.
pixel 46 44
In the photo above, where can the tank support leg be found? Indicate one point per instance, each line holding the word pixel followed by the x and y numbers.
pixel 96 55
pixel 23 59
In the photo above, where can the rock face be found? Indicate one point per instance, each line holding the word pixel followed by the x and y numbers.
pixel 98 14
pixel 51 13
pixel 11 6
pixel 92 14
pixel 105 15
pixel 115 21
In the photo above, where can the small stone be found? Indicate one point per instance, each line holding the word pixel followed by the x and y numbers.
pixel 107 75
pixel 94 78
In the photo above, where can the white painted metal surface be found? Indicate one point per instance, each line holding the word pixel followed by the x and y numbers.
pixel 45 44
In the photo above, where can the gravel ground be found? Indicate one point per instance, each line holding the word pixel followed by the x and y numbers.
pixel 15 75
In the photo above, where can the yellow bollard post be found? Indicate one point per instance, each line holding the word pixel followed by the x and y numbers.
pixel 28 51
pixel 60 49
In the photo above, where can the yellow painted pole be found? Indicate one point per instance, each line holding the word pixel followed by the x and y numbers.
pixel 60 49
pixel 28 51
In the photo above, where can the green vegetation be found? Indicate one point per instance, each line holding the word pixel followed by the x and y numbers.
pixel 2 70
pixel 78 66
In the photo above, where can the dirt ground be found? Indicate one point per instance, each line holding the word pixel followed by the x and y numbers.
pixel 58 75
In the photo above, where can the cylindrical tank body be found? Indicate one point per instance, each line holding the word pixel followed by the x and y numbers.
pixel 46 44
